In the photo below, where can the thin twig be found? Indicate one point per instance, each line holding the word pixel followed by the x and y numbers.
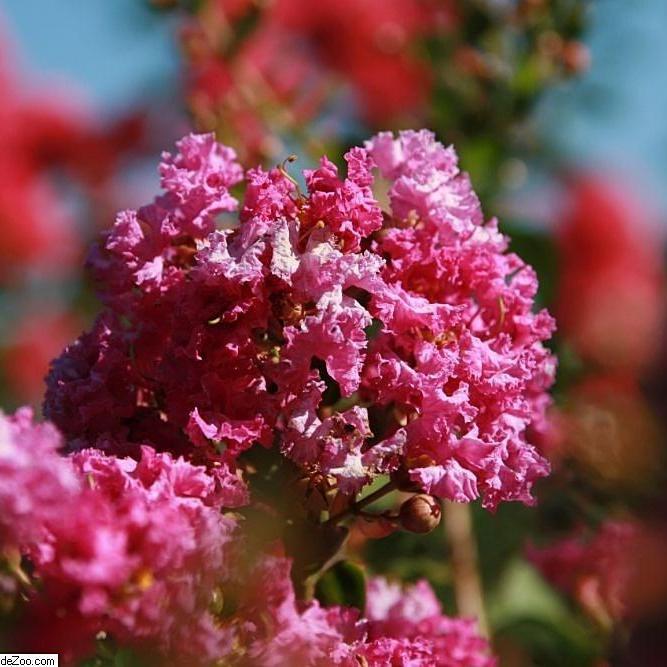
pixel 467 582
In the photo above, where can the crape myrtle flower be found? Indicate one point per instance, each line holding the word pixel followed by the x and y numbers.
pixel 35 482
pixel 132 549
pixel 358 340
pixel 415 614
pixel 352 341
pixel 398 627
pixel 145 552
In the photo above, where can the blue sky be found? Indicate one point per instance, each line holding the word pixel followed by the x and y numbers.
pixel 115 49
pixel 614 115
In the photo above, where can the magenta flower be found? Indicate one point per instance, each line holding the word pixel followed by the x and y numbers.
pixel 400 627
pixel 35 481
pixel 417 316
pixel 131 548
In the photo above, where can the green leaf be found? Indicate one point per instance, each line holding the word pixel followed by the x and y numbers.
pixel 547 644
pixel 525 611
pixel 127 658
pixel 342 584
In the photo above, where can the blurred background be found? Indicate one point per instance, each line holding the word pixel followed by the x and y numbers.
pixel 557 110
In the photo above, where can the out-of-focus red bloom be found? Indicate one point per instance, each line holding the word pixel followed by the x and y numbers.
pixel 594 569
pixel 261 66
pixel 58 171
pixel 618 572
pixel 610 302
pixel 370 43
pixel 44 136
pixel 35 340
pixel 36 227
pixel 56 137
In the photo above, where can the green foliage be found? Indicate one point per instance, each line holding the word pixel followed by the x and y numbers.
pixel 110 655
pixel 527 614
pixel 342 584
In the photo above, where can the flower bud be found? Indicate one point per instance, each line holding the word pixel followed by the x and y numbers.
pixel 420 514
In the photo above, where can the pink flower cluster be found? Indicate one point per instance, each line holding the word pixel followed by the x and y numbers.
pixel 125 547
pixel 414 614
pixel 401 627
pixel 616 571
pixel 139 551
pixel 414 319
pixel 35 482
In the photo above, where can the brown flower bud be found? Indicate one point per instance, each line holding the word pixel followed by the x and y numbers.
pixel 420 514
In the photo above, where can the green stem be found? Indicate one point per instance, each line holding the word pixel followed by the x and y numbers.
pixel 360 504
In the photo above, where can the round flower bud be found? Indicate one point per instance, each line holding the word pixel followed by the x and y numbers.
pixel 420 514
